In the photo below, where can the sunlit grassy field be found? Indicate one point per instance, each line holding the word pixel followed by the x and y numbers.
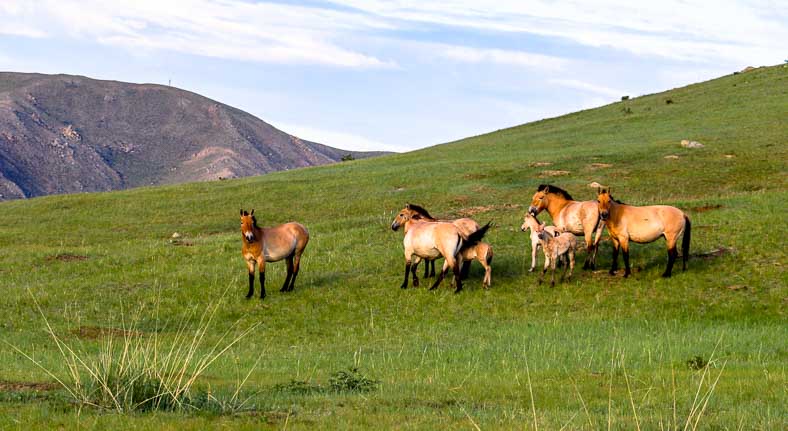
pixel 705 349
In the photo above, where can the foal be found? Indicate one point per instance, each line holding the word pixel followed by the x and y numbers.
pixel 555 246
pixel 530 222
pixel 272 244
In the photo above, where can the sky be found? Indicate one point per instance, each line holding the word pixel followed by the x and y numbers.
pixel 402 74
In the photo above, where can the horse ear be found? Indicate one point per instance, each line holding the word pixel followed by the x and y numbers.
pixel 242 211
pixel 547 188
pixel 407 205
pixel 252 213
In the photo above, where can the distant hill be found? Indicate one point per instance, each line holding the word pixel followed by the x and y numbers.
pixel 67 134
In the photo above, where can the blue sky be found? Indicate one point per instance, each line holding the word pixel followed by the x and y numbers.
pixel 401 74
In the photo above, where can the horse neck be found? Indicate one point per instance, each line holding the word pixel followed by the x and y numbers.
pixel 556 204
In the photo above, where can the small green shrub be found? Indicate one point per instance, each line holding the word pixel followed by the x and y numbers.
pixel 697 363
pixel 351 381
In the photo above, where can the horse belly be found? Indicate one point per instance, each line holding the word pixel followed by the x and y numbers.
pixel 647 232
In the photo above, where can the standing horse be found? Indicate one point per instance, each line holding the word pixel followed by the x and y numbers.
pixel 642 225
pixel 579 218
pixel 466 226
pixel 272 244
pixel 431 240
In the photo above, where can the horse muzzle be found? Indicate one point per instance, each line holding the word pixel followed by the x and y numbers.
pixel 604 215
pixel 249 237
pixel 394 226
pixel 532 210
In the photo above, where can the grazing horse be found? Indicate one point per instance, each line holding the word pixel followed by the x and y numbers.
pixel 530 222
pixel 272 244
pixel 642 225
pixel 466 226
pixel 431 240
pixel 579 218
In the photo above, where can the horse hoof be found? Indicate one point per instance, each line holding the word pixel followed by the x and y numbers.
pixel 611 272
pixel 404 286
pixel 248 296
pixel 415 283
pixel 531 270
pixel 666 275
pixel 626 274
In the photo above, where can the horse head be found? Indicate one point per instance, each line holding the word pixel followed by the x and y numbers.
pixel 604 199
pixel 404 216
pixel 248 225
pixel 539 200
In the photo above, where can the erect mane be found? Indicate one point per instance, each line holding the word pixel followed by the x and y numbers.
pixel 555 190
pixel 421 211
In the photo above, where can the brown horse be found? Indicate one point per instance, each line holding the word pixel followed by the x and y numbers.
pixel 642 225
pixel 579 218
pixel 466 226
pixel 431 240
pixel 272 244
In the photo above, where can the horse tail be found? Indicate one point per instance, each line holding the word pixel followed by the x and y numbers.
pixel 475 237
pixel 685 242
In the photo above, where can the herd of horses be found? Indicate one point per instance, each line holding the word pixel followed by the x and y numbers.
pixel 460 241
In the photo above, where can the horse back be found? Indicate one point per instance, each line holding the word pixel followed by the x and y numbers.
pixel 466 226
pixel 578 217
pixel 283 241
pixel 433 239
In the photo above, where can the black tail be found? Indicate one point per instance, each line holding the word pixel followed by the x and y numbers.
pixel 685 242
pixel 475 237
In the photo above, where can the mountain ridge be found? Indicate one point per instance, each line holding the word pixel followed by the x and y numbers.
pixel 69 133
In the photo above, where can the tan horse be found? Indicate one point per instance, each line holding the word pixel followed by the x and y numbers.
pixel 642 225
pixel 466 226
pixel 431 240
pixel 579 218
pixel 272 244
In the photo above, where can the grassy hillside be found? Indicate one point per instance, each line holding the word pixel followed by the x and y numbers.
pixel 596 352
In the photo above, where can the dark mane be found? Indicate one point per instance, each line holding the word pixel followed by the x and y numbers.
pixel 555 190
pixel 421 211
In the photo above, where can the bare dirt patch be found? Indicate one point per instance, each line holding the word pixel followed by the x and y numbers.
pixel 461 199
pixel 96 332
pixel 66 257
pixel 718 252
pixel 471 211
pixel 704 208
pixel 26 386
pixel 554 173
pixel 475 176
pixel 600 165
pixel 181 243
pixel 539 164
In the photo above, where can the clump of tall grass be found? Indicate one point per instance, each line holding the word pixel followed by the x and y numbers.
pixel 143 372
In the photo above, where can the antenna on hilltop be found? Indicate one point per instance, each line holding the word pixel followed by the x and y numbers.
pixel 169 82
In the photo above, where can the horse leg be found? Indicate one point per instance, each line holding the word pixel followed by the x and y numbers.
pixel 672 254
pixel 442 274
pixel 261 270
pixel 614 266
pixel 416 261
pixel 286 285
pixel 407 270
pixel 487 271
pixel 571 263
pixel 250 267
pixel 544 269
pixel 426 269
pixel 458 274
pixel 552 270
pixel 625 252
pixel 296 270
pixel 597 236
pixel 432 268
pixel 589 248
pixel 465 269
pixel 534 246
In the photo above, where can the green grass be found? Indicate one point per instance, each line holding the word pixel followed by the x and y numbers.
pixel 589 353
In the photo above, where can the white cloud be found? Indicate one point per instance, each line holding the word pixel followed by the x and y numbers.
pixel 229 29
pixel 500 56
pixel 695 30
pixel 588 87
pixel 336 139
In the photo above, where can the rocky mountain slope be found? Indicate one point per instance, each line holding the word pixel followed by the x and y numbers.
pixel 68 134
